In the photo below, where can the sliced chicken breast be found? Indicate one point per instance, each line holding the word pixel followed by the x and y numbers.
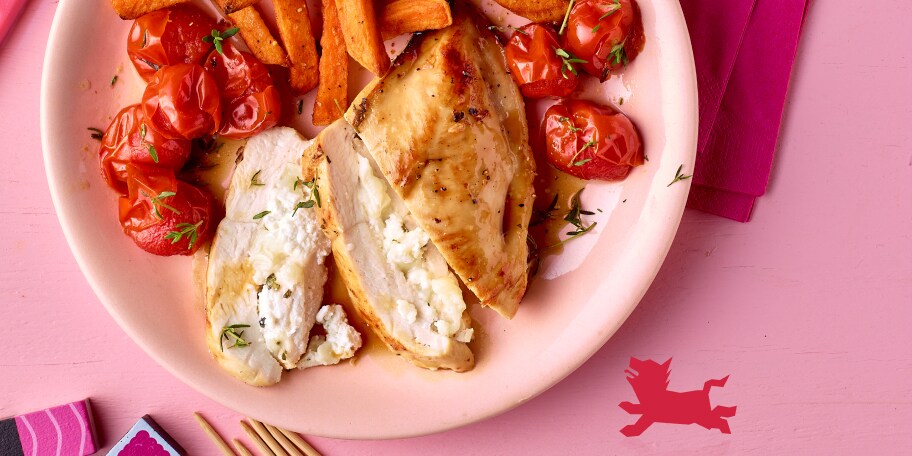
pixel 397 278
pixel 447 128
pixel 267 265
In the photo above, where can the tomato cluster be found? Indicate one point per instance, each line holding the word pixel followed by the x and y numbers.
pixel 199 85
pixel 598 37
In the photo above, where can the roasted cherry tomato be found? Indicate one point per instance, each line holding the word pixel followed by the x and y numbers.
pixel 250 101
pixel 130 139
pixel 182 102
pixel 607 34
pixel 163 215
pixel 168 37
pixel 539 65
pixel 591 141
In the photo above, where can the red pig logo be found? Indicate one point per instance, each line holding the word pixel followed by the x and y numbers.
pixel 649 380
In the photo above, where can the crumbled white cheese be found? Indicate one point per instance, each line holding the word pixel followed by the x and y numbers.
pixel 341 340
pixel 464 335
pixel 283 246
pixel 407 310
pixel 437 303
pixel 403 248
pixel 373 195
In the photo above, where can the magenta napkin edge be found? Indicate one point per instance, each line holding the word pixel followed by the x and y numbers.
pixel 9 20
pixel 731 205
pixel 757 185
pixel 712 112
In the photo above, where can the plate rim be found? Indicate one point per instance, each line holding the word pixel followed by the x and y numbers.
pixel 676 204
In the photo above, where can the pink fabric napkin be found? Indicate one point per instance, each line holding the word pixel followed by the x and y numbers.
pixel 9 12
pixel 744 51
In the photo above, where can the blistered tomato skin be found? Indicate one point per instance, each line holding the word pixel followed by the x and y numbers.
pixel 168 37
pixel 608 34
pixel 590 141
pixel 250 101
pixel 130 139
pixel 182 102
pixel 158 205
pixel 535 65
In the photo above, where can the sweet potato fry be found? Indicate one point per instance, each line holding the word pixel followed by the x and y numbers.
pixel 296 33
pixel 258 37
pixel 230 6
pixel 407 16
pixel 362 35
pixel 131 9
pixel 537 10
pixel 332 93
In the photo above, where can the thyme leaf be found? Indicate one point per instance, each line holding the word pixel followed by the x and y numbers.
pixel 153 153
pixel 615 8
pixel 541 216
pixel 679 176
pixel 568 60
pixel 157 201
pixel 191 230
pixel 217 37
pixel 574 218
pixel 255 181
pixel 567 121
pixel 566 18
pixel 588 144
pixel 230 333
pixel 618 53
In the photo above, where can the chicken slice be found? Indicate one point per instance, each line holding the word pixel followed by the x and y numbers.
pixel 447 127
pixel 397 279
pixel 267 263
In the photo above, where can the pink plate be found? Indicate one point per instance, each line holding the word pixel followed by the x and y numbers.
pixel 573 306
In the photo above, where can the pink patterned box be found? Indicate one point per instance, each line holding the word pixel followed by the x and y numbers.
pixel 62 430
pixel 147 438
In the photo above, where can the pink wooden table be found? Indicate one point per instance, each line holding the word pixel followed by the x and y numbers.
pixel 808 307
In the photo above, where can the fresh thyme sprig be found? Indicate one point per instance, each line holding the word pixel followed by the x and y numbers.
pixel 679 176
pixel 191 230
pixel 314 195
pixel 574 218
pixel 157 201
pixel 261 215
pixel 568 60
pixel 216 37
pixel 151 148
pixel 590 143
pixel 230 333
pixel 567 121
pixel 616 8
pixel 618 53
pixel 566 18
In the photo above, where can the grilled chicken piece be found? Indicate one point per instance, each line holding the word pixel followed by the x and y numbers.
pixel 398 280
pixel 447 127
pixel 266 267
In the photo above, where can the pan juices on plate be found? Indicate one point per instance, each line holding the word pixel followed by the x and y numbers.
pixel 430 171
